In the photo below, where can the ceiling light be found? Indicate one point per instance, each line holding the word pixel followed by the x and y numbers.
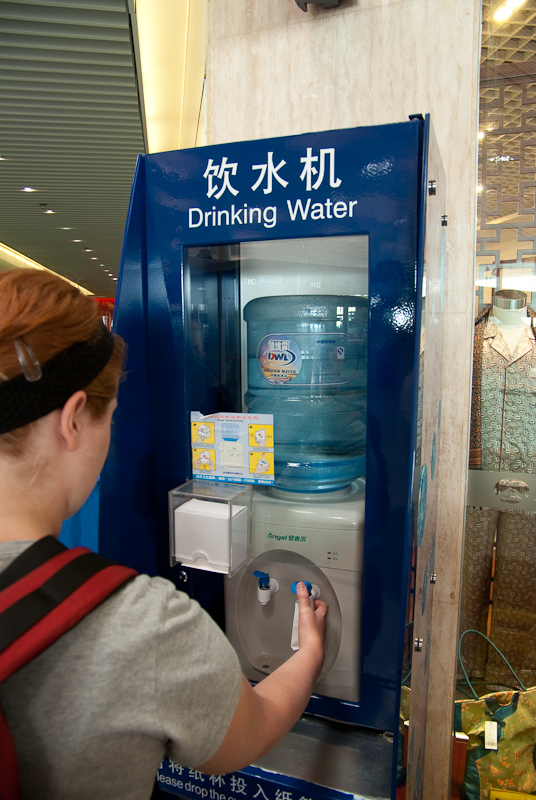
pixel 170 108
pixel 115 279
pixel 515 3
pixel 65 229
pixel 77 240
pixel 49 211
pixel 502 14
pixel 28 189
pixel 88 249
pixel 479 188
pixel 481 134
pixel 94 258
pixel 2 158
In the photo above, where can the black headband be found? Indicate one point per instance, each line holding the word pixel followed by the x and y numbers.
pixel 23 401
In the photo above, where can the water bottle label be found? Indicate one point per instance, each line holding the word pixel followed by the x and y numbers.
pixel 308 359
pixel 280 358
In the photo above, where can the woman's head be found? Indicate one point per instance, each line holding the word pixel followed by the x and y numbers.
pixel 44 316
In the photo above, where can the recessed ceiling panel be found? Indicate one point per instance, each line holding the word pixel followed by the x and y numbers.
pixel 70 129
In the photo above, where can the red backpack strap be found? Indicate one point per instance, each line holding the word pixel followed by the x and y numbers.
pixel 37 607
pixel 9 765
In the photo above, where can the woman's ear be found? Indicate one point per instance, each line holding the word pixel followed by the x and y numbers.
pixel 72 420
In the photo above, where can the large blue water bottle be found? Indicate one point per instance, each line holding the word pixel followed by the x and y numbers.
pixel 307 367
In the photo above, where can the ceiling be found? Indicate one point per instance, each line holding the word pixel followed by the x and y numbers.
pixel 70 128
pixel 72 125
pixel 507 148
pixel 508 43
pixel 508 96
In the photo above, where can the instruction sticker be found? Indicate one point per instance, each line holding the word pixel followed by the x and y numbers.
pixel 261 463
pixel 238 448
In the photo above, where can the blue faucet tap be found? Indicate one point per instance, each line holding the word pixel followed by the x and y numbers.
pixel 264 579
pixel 267 586
pixel 308 585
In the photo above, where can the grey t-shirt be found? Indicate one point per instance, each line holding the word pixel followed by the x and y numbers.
pixel 145 674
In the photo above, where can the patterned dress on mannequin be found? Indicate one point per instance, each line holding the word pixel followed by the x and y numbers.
pixel 503 437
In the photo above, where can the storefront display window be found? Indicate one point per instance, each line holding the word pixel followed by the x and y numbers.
pixel 498 594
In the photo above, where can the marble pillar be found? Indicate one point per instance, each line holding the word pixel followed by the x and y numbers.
pixel 274 70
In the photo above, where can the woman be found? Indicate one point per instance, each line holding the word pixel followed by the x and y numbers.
pixel 147 673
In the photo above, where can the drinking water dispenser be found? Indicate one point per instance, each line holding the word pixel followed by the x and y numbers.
pixel 315 537
pixel 280 276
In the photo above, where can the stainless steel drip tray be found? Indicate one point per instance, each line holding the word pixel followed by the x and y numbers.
pixel 341 757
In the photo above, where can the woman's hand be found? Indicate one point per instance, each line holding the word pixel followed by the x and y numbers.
pixel 267 712
pixel 312 624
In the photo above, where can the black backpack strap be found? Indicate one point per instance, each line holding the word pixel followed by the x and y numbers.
pixel 27 610
pixel 31 558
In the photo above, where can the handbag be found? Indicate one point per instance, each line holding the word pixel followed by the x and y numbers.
pixel 501 726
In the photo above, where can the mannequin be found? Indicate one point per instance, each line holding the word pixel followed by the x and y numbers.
pixel 510 311
pixel 503 425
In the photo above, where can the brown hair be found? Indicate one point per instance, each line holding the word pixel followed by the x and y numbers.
pixel 51 315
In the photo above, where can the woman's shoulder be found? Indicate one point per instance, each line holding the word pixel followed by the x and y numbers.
pixel 142 606
pixel 148 606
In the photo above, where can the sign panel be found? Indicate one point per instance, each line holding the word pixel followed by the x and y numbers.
pixel 238 448
pixel 249 784
pixel 310 185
